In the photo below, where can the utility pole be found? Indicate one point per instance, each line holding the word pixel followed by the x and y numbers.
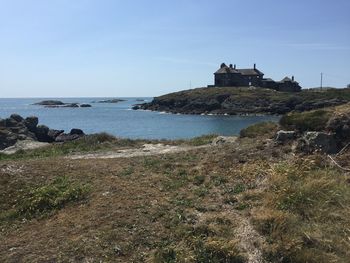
pixel 321 79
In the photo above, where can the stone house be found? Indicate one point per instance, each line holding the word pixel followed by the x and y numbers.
pixel 231 76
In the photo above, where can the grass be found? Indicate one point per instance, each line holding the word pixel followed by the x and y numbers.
pixel 42 200
pixel 200 140
pixel 306 121
pixel 304 213
pixel 267 129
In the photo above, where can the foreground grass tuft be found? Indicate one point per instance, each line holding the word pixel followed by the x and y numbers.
pixel 304 213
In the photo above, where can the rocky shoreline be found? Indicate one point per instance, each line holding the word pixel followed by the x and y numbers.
pixel 16 128
pixel 244 101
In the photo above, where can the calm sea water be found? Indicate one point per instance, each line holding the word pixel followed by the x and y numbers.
pixel 118 119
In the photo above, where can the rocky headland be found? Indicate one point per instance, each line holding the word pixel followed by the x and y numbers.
pixel 242 101
pixel 16 128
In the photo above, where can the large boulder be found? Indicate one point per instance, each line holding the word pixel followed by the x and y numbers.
pixel 7 138
pixel 283 136
pixel 17 117
pixel 340 125
pixel 77 132
pixel 53 134
pixel 9 122
pixel 318 141
pixel 42 133
pixel 31 123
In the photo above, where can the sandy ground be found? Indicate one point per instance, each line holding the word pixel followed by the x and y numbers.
pixel 24 145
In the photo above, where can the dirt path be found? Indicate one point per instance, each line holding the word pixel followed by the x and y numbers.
pixel 151 149
pixel 146 150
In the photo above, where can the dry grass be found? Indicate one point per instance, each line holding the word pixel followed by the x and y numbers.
pixel 304 213
pixel 185 207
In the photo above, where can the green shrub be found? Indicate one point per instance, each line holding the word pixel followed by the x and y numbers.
pixel 260 129
pixel 306 121
pixel 45 199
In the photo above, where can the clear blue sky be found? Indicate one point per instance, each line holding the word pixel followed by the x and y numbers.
pixel 70 48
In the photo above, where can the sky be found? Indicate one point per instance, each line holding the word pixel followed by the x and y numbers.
pixel 113 48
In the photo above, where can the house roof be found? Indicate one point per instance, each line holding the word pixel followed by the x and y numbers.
pixel 268 79
pixel 250 71
pixel 287 79
pixel 247 72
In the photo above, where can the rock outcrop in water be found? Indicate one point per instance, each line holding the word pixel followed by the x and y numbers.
pixel 16 128
pixel 109 101
pixel 60 104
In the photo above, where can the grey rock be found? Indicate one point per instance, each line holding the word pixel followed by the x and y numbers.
pixel 318 141
pixel 16 117
pixel 7 138
pixel 63 137
pixel 85 105
pixel 49 103
pixel 42 133
pixel 283 136
pixel 9 122
pixel 53 134
pixel 71 105
pixel 77 132
pixel 2 123
pixel 224 139
pixel 31 123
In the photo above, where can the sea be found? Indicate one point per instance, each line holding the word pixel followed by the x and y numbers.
pixel 120 120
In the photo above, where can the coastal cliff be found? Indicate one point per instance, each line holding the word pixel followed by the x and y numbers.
pixel 235 101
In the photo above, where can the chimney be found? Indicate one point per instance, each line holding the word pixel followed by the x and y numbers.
pixel 230 65
pixel 234 66
pixel 292 78
pixel 223 65
pixel 254 66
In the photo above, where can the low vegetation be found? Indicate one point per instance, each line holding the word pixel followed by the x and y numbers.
pixel 306 121
pixel 265 129
pixel 303 213
pixel 41 201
